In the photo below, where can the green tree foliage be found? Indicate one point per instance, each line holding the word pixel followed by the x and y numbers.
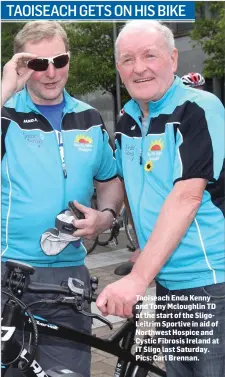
pixel 92 63
pixel 92 58
pixel 209 31
pixel 9 31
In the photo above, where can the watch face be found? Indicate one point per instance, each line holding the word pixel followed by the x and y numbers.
pixel 115 228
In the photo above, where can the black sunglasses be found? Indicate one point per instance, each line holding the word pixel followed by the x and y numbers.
pixel 41 64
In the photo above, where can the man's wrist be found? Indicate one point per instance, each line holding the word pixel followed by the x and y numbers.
pixel 113 216
pixel 140 277
pixel 107 219
pixel 111 211
pixel 6 94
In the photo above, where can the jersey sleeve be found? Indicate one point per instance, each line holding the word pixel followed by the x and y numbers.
pixel 5 124
pixel 107 169
pixel 199 150
pixel 118 154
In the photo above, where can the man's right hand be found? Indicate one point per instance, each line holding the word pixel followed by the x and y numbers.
pixel 15 74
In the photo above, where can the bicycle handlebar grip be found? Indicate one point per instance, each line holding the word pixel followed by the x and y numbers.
pixel 94 297
pixel 137 308
pixel 51 288
pixel 47 288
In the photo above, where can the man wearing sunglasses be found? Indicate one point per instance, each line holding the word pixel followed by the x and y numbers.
pixel 54 147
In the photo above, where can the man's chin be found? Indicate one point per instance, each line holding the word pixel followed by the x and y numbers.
pixel 144 99
pixel 52 96
pixel 146 96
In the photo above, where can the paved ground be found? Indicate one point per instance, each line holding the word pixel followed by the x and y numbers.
pixel 102 263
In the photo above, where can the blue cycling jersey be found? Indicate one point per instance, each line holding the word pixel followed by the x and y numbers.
pixel 35 188
pixel 185 139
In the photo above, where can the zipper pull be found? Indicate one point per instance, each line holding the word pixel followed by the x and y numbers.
pixel 64 170
pixel 141 157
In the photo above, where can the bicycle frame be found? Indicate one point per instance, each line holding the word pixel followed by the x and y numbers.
pixel 110 345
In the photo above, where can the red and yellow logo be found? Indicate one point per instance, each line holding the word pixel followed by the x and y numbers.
pixel 156 145
pixel 148 166
pixel 82 139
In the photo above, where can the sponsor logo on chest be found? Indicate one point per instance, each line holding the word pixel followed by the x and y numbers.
pixel 30 120
pixel 155 149
pixel 34 139
pixel 83 143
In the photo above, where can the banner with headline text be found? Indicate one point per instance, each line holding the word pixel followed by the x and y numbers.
pixel 97 10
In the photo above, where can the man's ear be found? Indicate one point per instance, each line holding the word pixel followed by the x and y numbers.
pixel 118 69
pixel 174 58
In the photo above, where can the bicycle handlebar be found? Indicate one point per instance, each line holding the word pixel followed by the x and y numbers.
pixel 47 288
pixel 16 279
pixel 51 288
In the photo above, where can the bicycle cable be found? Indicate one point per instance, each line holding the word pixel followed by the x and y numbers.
pixel 25 367
pixel 23 339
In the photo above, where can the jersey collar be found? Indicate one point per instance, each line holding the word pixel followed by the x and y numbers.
pixel 134 110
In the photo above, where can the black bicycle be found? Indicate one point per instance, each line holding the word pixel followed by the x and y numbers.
pixel 17 315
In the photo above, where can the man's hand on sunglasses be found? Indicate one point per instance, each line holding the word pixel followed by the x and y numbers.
pixel 15 74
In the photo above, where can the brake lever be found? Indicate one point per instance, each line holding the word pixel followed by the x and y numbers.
pixel 72 300
pixel 97 316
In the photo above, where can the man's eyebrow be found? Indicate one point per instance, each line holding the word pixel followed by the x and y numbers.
pixel 150 49
pixel 147 49
pixel 125 54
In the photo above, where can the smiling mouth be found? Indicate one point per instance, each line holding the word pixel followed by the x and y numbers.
pixel 142 80
pixel 50 84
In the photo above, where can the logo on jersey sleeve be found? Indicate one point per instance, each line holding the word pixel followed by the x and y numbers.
pixel 83 143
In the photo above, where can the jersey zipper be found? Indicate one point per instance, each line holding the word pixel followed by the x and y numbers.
pixel 61 151
pixel 141 159
pixel 143 179
pixel 141 150
pixel 142 142
pixel 59 139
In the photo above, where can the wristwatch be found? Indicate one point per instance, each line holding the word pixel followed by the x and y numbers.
pixel 110 210
pixel 115 224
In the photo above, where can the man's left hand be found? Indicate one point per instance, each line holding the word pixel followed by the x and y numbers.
pixel 95 222
pixel 120 297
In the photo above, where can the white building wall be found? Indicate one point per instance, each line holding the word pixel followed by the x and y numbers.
pixel 190 58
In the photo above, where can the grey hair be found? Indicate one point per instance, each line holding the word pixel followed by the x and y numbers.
pixel 144 25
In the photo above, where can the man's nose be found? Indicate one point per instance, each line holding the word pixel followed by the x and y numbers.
pixel 139 65
pixel 51 71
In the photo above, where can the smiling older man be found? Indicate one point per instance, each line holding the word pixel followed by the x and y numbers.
pixel 175 187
